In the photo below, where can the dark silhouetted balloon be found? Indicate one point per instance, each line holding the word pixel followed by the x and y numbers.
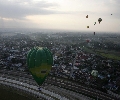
pixel 87 16
pixel 99 20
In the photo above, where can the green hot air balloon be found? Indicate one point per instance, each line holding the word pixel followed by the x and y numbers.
pixel 39 61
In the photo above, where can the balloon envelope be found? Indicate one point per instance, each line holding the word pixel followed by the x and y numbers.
pixel 39 61
pixel 87 16
pixel 99 20
pixel 87 40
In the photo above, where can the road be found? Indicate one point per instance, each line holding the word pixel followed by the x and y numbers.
pixel 52 84
pixel 31 89
pixel 80 89
pixel 49 92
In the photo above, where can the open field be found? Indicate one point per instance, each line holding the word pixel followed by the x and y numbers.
pixel 109 51
pixel 105 53
pixel 88 50
pixel 110 56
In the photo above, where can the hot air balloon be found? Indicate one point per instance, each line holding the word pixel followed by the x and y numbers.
pixel 99 20
pixel 87 40
pixel 39 61
pixel 87 26
pixel 87 16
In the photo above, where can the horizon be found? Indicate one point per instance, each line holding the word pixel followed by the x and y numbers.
pixel 35 30
pixel 61 15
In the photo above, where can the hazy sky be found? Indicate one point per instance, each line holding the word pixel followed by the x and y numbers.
pixel 61 14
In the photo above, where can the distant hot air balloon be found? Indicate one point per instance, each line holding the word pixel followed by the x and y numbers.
pixel 87 40
pixel 87 26
pixel 95 23
pixel 99 20
pixel 39 61
pixel 87 16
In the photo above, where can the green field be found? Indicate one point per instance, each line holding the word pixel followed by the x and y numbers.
pixel 105 53
pixel 110 56
pixel 88 50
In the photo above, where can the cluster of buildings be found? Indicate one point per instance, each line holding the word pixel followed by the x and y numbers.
pixel 13 51
pixel 86 68
pixel 70 62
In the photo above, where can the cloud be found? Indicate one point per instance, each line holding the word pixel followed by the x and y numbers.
pixel 19 9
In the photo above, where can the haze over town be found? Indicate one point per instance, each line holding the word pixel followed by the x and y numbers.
pixel 60 49
pixel 61 14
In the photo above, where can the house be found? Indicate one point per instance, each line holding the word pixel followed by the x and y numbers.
pixel 21 69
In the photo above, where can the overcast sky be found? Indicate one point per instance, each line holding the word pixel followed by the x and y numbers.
pixel 61 14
